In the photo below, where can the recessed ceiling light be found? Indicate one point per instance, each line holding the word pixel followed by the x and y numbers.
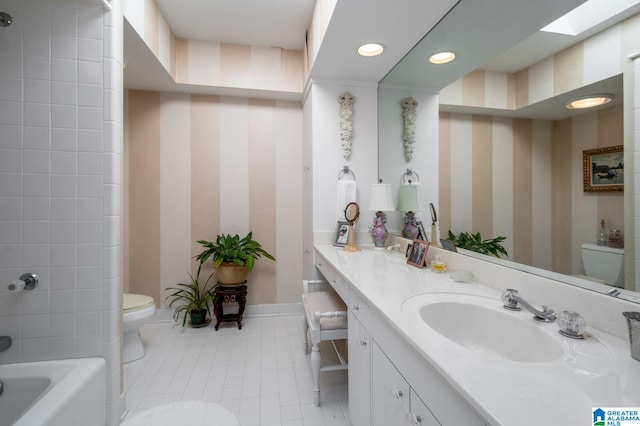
pixel 370 49
pixel 442 58
pixel 589 101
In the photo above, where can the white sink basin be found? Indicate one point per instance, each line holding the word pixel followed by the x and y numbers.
pixel 481 324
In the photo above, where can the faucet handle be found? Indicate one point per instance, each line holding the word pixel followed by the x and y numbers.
pixel 509 301
pixel 571 325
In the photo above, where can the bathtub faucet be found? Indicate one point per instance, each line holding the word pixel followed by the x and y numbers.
pixel 5 343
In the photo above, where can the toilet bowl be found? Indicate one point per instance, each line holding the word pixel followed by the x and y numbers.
pixel 604 263
pixel 137 309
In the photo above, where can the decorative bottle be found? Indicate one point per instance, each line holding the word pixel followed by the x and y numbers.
pixel 601 236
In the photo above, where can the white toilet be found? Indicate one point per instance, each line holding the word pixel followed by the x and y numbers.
pixel 137 309
pixel 604 263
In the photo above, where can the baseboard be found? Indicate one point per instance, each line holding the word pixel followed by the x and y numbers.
pixel 166 315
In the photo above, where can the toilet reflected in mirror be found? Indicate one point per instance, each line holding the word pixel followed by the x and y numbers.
pixel 605 264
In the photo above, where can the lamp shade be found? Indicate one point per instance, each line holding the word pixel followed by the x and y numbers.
pixel 380 198
pixel 408 198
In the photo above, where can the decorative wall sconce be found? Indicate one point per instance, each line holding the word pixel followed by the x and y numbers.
pixel 346 122
pixel 380 201
pixel 409 203
pixel 409 106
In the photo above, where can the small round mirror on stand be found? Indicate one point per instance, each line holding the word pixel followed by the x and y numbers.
pixel 351 215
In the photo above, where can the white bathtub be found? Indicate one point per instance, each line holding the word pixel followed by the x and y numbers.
pixel 64 392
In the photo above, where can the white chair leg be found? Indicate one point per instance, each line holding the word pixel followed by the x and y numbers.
pixel 305 330
pixel 315 372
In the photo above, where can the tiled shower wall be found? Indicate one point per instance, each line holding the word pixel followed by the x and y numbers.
pixel 60 174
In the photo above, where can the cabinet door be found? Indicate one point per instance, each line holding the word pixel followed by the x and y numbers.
pixel 359 373
pixel 420 414
pixel 390 400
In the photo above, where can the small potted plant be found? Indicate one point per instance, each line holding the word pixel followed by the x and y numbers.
pixel 193 299
pixel 232 256
pixel 474 242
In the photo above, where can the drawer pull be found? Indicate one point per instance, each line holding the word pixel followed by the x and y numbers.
pixel 363 343
pixel 355 307
pixel 415 419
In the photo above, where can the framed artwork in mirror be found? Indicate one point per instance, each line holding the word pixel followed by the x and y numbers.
pixel 603 169
pixel 418 253
pixel 342 234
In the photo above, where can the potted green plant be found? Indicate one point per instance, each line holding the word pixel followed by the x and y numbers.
pixel 192 299
pixel 474 242
pixel 232 256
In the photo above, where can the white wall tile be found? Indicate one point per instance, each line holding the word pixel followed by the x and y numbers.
pixel 89 323
pixel 63 93
pixel 112 231
pixel 35 67
pixel 10 184
pixel 64 47
pixel 36 161
pixel 89 300
pixel 112 200
pixel 11 65
pixel 90 50
pixel 11 256
pixel 63 186
pixel 34 326
pixel 89 255
pixel 112 169
pixel 63 208
pixel 35 185
pixel 64 116
pixel 64 19
pixel 90 186
pixel 63 347
pixel 62 301
pixel 64 139
pixel 63 162
pixel 89 345
pixel 110 265
pixel 11 136
pixel 63 232
pixel 89 231
pixel 90 95
pixel 62 324
pixel 62 279
pixel 11 160
pixel 35 349
pixel 11 208
pixel 89 278
pixel 62 255
pixel 11 231
pixel 38 91
pixel 90 208
pixel 35 232
pixel 90 72
pixel 35 302
pixel 10 89
pixel 64 70
pixel 35 255
pixel 37 114
pixel 90 23
pixel 90 140
pixel 89 163
pixel 35 208
pixel 37 138
pixel 90 118
pixel 10 113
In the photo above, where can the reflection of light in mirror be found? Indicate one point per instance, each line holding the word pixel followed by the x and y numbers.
pixel 589 101
pixel 370 49
pixel 442 58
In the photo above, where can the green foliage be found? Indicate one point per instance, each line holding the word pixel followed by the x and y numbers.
pixel 190 296
pixel 227 248
pixel 474 242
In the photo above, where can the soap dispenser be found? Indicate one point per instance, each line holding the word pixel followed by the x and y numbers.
pixel 601 235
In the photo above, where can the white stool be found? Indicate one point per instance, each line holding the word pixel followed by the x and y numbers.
pixel 325 318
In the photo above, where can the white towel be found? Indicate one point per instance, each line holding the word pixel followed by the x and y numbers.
pixel 346 195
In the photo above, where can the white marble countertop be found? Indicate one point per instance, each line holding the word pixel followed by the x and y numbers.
pixel 595 372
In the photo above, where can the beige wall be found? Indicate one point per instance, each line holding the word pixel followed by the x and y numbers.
pixel 522 179
pixel 199 165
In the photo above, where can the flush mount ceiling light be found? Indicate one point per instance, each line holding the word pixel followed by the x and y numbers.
pixel 442 58
pixel 370 49
pixel 588 101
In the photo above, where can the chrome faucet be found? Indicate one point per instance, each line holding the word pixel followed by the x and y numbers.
pixel 511 298
pixel 5 343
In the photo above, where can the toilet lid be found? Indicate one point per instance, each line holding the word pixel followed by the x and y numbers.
pixel 135 302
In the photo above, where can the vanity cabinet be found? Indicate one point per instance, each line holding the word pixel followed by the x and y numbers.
pixel 390 383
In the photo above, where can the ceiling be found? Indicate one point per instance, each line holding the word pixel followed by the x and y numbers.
pixel 482 32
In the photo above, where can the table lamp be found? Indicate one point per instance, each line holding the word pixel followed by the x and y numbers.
pixel 380 201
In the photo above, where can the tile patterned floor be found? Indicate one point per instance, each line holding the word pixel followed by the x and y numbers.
pixel 260 373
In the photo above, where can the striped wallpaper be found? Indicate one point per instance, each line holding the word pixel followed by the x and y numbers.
pixel 522 179
pixel 199 165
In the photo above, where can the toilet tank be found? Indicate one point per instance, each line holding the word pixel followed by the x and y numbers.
pixel 605 263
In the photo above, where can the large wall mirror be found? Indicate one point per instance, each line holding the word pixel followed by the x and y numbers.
pixel 496 149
